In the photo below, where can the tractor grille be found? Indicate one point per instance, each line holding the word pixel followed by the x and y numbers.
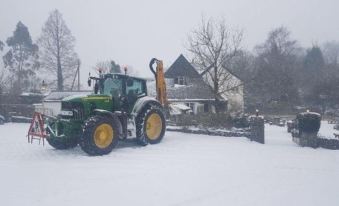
pixel 77 109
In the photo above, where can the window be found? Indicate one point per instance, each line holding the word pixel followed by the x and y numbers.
pixel 112 87
pixel 200 108
pixel 206 108
pixel 191 105
pixel 136 88
pixel 180 81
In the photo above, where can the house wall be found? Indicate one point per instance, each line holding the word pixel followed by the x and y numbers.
pixel 234 97
pixel 52 108
pixel 236 100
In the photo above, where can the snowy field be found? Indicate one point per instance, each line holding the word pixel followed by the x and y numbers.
pixel 184 169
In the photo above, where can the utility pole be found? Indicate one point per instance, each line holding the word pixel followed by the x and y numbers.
pixel 79 74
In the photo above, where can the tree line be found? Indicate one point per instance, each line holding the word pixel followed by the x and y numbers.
pixel 51 59
pixel 277 74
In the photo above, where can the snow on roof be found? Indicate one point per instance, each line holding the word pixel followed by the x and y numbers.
pixel 58 96
pixel 177 109
pixel 31 94
pixel 180 106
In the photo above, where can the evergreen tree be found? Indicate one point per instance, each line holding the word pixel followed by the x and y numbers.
pixel 314 60
pixel 314 75
pixel 21 59
pixel 275 67
pixel 1 45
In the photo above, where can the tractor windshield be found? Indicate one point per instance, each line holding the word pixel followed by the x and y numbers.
pixel 112 87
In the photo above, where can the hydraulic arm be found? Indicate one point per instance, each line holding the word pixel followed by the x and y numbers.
pixel 160 81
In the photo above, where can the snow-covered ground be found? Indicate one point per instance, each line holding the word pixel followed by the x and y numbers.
pixel 184 169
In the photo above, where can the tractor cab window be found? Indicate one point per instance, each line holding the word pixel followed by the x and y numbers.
pixel 135 87
pixel 113 87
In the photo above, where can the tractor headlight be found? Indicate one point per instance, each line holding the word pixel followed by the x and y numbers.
pixel 66 113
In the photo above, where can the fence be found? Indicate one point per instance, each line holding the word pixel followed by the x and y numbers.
pixel 9 110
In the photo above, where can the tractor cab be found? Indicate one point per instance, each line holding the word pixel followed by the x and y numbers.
pixel 125 90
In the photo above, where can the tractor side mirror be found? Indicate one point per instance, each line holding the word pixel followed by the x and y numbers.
pixel 89 82
pixel 130 82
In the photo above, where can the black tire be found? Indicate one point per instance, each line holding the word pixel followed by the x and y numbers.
pixel 87 141
pixel 61 143
pixel 141 126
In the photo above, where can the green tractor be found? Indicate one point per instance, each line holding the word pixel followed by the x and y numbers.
pixel 119 108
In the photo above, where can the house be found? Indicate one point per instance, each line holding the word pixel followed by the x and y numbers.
pixel 185 86
pixel 233 88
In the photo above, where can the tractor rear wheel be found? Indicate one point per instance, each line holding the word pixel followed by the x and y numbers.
pixel 100 135
pixel 150 125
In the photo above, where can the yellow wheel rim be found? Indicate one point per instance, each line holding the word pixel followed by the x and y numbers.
pixel 103 135
pixel 153 126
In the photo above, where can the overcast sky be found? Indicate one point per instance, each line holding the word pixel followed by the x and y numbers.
pixel 132 32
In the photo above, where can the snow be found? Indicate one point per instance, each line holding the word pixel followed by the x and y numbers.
pixel 184 169
pixel 327 130
pixel 176 109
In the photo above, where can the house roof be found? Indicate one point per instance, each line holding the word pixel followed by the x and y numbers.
pixel 195 90
pixel 181 67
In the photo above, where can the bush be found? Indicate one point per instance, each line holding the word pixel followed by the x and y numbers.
pixel 328 143
pixel 241 121
pixel 205 120
pixel 309 122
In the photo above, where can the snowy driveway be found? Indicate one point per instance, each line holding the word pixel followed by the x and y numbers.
pixel 184 169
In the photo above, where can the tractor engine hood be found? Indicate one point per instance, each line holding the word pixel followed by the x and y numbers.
pixel 85 104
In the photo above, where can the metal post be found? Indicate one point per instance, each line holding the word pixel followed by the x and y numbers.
pixel 79 74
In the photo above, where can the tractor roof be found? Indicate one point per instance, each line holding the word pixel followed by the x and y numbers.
pixel 123 75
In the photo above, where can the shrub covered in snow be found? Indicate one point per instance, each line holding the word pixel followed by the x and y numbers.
pixel 309 122
pixel 205 120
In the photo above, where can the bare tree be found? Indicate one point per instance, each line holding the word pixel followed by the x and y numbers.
pixel 57 50
pixel 214 46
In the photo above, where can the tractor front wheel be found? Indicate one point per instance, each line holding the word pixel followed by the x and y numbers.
pixel 150 125
pixel 61 143
pixel 100 135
